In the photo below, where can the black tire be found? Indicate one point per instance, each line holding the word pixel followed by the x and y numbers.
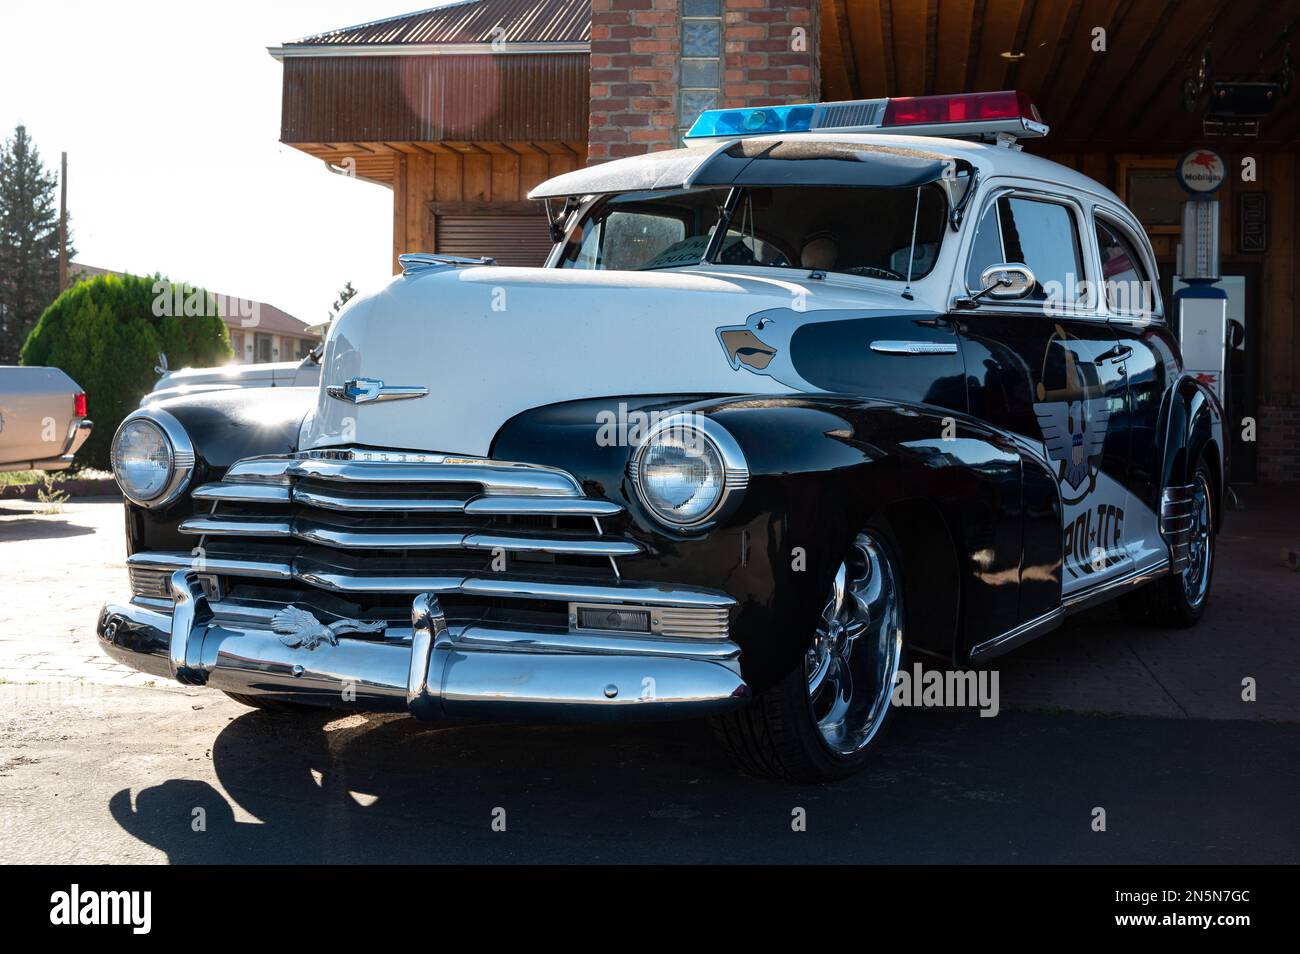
pixel 776 735
pixel 1167 602
pixel 271 705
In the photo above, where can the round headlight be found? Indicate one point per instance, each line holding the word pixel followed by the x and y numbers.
pixel 152 458
pixel 684 474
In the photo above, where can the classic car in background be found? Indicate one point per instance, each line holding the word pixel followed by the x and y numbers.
pixel 43 420
pixel 831 385
pixel 278 374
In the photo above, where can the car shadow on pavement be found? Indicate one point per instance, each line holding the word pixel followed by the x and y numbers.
pixel 945 787
pixel 29 527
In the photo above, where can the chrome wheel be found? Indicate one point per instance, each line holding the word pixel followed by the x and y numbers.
pixel 1200 547
pixel 857 649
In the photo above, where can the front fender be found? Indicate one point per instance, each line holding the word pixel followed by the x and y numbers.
pixel 224 426
pixel 821 468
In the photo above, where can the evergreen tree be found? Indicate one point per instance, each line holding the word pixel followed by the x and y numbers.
pixel 346 293
pixel 29 242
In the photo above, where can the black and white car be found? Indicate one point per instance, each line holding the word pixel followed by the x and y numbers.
pixel 830 385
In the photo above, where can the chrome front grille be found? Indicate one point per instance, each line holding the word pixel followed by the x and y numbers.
pixel 375 528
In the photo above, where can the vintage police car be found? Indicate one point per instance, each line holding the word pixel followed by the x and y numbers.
pixel 830 385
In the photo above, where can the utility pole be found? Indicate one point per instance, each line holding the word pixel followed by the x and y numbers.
pixel 63 223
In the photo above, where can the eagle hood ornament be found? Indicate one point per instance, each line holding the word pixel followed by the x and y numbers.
pixel 300 629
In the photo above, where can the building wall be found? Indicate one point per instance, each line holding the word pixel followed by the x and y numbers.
pixel 283 347
pixel 642 96
pixel 1276 342
pixel 489 178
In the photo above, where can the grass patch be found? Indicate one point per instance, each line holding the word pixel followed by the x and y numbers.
pixel 24 478
pixel 20 478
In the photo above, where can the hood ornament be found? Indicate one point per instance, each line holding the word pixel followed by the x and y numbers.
pixel 297 628
pixel 366 390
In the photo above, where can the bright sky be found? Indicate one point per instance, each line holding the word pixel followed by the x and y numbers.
pixel 170 115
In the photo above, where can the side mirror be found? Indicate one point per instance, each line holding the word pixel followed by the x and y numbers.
pixel 1007 282
pixel 1236 334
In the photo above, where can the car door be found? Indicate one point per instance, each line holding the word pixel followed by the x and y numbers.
pixel 1049 370
pixel 1131 299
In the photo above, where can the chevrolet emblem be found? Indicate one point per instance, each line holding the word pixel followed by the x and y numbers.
pixel 366 390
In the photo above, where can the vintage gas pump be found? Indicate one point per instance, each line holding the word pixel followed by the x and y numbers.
pixel 1201 309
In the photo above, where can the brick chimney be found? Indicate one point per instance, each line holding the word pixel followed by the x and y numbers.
pixel 655 64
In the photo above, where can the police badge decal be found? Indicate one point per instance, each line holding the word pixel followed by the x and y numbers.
pixel 1073 420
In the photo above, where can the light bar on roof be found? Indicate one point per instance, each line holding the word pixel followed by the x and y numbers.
pixel 1003 114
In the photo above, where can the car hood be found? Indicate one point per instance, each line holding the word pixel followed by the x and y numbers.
pixel 491 342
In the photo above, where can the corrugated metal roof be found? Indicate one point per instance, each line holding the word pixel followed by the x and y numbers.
pixel 470 21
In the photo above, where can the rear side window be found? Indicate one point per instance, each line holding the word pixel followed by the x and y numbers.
pixel 1040 234
pixel 1129 289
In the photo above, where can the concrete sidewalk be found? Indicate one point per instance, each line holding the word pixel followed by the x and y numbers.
pixel 56 570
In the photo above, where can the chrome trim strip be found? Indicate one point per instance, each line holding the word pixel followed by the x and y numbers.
pixel 498 638
pixel 1106 590
pixel 242 493
pixel 173 560
pixel 494 477
pixel 339 581
pixel 574 547
pixel 236 526
pixel 913 347
pixel 350 504
pixel 649 594
pixel 312 531
pixel 992 648
pixel 543 506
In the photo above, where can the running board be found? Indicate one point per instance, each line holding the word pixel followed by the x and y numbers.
pixel 1070 605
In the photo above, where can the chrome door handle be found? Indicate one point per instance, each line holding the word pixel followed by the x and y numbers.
pixel 1117 353
pixel 913 347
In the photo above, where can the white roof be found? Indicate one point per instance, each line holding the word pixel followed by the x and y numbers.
pixel 990 159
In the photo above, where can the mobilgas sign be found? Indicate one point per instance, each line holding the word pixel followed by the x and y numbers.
pixel 1201 171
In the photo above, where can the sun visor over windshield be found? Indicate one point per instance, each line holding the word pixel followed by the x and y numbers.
pixel 756 163
pixel 750 163
pixel 668 169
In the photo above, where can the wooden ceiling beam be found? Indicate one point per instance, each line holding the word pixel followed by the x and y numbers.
pixel 887 47
pixel 952 45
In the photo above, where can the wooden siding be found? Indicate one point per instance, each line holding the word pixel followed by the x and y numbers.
pixel 484 97
pixel 468 178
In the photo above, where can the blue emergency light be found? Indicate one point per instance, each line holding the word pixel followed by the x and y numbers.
pixel 1005 112
pixel 753 120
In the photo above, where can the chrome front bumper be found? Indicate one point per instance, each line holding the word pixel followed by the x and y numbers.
pixel 429 669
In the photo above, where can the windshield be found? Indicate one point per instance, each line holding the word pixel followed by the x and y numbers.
pixel 855 231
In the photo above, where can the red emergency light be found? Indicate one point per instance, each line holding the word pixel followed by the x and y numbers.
pixel 959 108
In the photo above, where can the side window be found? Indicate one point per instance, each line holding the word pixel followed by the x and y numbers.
pixel 987 248
pixel 1128 286
pixel 1044 236
pixel 628 240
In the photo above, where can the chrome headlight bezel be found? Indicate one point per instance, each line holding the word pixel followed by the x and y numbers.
pixel 179 445
pixel 735 470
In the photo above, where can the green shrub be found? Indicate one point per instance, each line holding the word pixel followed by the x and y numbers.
pixel 104 333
